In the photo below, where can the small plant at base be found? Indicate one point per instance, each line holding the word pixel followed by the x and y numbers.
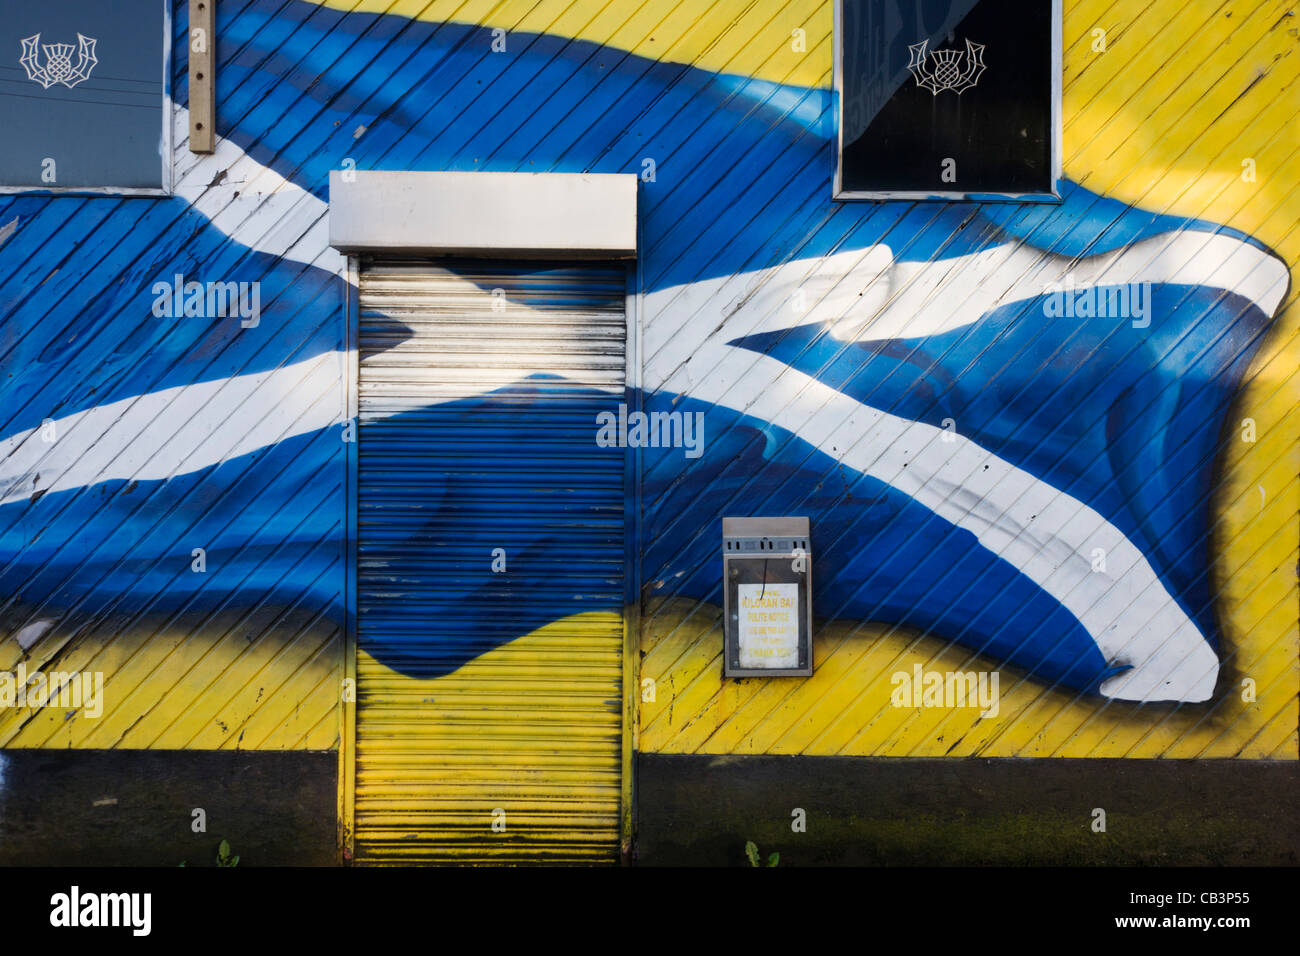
pixel 751 851
pixel 223 855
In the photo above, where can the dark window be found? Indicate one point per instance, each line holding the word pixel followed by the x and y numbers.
pixel 948 98
pixel 81 94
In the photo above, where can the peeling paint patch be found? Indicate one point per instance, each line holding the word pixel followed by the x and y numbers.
pixel 32 633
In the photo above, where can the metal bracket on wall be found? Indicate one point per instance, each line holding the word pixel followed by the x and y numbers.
pixel 202 53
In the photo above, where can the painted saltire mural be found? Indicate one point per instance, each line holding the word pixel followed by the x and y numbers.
pixel 1006 424
pixel 981 465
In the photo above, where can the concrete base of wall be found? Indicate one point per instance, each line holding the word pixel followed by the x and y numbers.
pixel 136 807
pixel 699 810
pixel 78 807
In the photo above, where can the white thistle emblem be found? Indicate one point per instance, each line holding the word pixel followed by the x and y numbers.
pixel 58 66
pixel 947 73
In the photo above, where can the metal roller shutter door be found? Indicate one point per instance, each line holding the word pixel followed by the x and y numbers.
pixel 489 697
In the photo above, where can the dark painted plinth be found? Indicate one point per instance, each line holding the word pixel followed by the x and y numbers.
pixel 872 812
pixel 134 807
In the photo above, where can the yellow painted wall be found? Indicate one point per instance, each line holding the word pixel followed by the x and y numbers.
pixel 741 37
pixel 234 686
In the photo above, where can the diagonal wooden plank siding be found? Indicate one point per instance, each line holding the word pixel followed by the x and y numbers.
pixel 738 125
pixel 1162 119
pixel 246 653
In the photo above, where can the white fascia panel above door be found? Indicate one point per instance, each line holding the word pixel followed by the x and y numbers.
pixel 587 215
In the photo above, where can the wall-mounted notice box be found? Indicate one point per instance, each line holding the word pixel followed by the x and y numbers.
pixel 767 575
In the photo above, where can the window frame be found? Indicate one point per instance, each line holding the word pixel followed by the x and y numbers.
pixel 840 194
pixel 168 187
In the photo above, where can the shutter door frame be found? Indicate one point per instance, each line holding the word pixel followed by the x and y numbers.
pixel 631 616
